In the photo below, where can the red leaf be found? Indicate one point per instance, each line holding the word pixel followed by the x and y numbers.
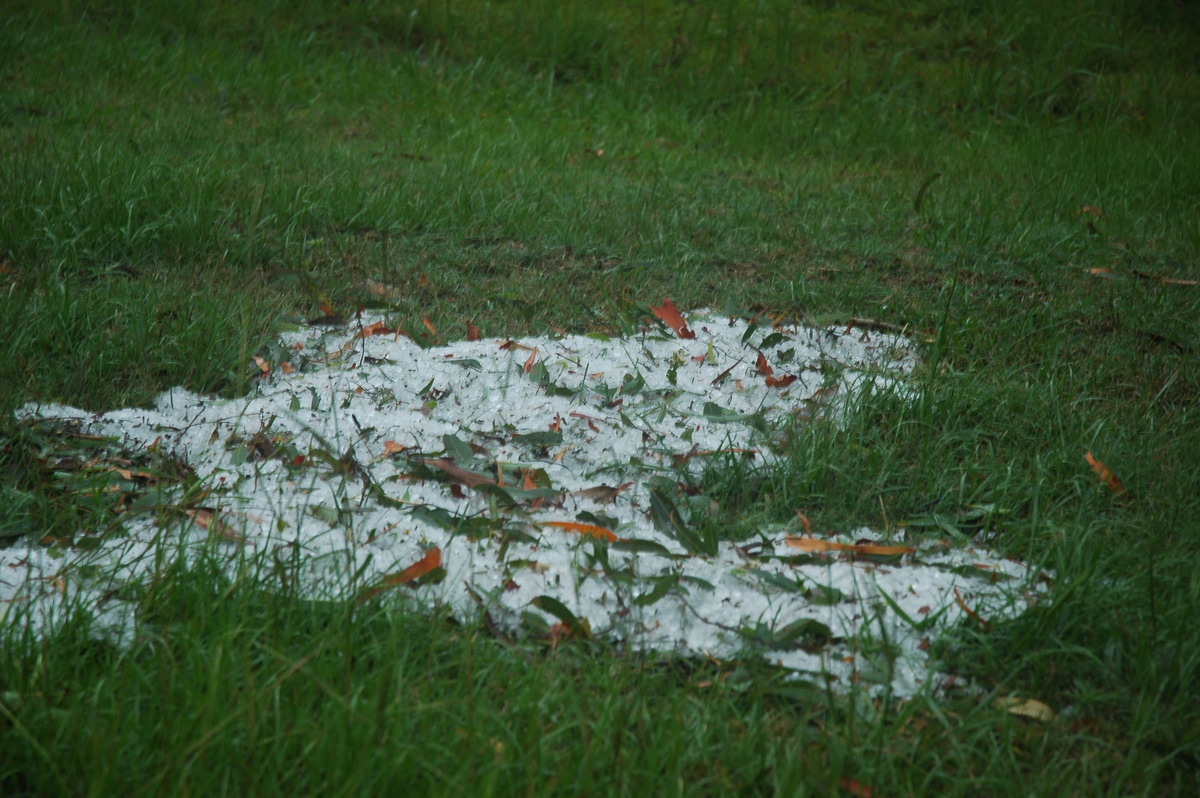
pixel 669 315
pixel 781 382
pixel 855 787
pixel 764 368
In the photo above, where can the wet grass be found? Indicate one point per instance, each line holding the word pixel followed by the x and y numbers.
pixel 1016 182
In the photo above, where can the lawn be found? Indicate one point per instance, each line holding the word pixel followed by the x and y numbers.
pixel 1016 186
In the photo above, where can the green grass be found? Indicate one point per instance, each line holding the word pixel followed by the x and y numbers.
pixel 176 179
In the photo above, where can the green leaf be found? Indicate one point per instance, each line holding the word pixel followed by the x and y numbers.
pixel 666 518
pixel 539 439
pixel 662 586
pixel 458 451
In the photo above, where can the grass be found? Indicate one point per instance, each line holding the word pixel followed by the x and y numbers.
pixel 177 179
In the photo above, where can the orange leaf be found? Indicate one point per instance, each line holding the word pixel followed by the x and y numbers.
pixel 806 523
pixel 431 560
pixel 781 382
pixel 391 447
pixel 472 332
pixel 1106 475
pixel 262 365
pixel 583 529
pixel 378 328
pixel 527 483
pixel 669 315
pixel 429 326
pixel 816 544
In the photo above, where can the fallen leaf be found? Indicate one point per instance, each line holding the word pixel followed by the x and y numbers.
pixel 431 560
pixel 970 612
pixel 391 447
pixel 531 361
pixel 1106 475
pixel 603 494
pixel 781 382
pixel 207 519
pixel 263 366
pixel 460 475
pixel 1026 708
pixel 763 367
pixel 855 787
pixel 378 328
pixel 669 315
pixel 816 544
pixel 473 332
pixel 1167 280
pixel 805 523
pixel 583 529
pixel 429 326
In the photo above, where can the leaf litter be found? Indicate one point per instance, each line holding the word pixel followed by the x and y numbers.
pixel 539 484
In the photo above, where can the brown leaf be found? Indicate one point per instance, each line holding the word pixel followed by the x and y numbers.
pixel 206 518
pixel 602 494
pixel 460 475
pixel 1167 280
pixel 1106 475
pixel 781 382
pixel 473 333
pixel 669 315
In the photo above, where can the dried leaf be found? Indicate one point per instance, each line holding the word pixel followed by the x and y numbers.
pixel 1167 280
pixel 583 529
pixel 1106 475
pixel 207 519
pixel 805 523
pixel 763 367
pixel 391 447
pixel 531 361
pixel 460 475
pixel 1026 708
pixel 781 382
pixel 473 333
pixel 429 326
pixel 263 366
pixel 816 544
pixel 378 328
pixel 669 315
pixel 602 494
